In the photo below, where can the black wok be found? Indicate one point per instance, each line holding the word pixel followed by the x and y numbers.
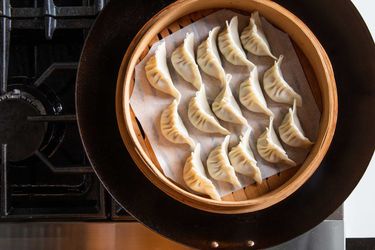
pixel 347 41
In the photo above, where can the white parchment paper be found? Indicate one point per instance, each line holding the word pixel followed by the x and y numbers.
pixel 148 103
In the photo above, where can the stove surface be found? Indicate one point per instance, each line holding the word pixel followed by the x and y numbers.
pixel 45 173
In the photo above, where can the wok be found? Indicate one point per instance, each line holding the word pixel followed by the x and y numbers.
pixel 344 35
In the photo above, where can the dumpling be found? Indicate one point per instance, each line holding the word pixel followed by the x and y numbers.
pixel 242 158
pixel 157 72
pixel 291 131
pixel 277 88
pixel 172 126
pixel 195 176
pixel 251 95
pixel 270 149
pixel 230 45
pixel 183 61
pixel 208 57
pixel 253 38
pixel 201 116
pixel 218 164
pixel 225 106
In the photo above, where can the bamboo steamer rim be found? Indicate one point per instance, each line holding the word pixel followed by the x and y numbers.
pixel 304 38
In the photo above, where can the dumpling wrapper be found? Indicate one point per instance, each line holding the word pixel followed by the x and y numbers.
pixel 158 75
pixel 277 88
pixel 201 116
pixel 208 57
pixel 195 176
pixel 225 106
pixel 172 127
pixel 230 45
pixel 253 38
pixel 242 158
pixel 251 95
pixel 218 164
pixel 183 61
pixel 270 148
pixel 291 132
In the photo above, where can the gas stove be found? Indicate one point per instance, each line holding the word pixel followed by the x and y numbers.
pixel 45 173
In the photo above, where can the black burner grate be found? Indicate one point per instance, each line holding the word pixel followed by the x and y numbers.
pixel 44 170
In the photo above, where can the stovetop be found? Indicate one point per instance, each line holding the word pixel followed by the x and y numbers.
pixel 45 173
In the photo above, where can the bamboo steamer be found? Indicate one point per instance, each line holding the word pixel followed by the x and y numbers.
pixel 318 71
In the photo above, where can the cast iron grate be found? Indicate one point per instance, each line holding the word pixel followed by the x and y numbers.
pixel 44 170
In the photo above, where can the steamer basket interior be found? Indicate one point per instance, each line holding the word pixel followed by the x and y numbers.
pixel 318 71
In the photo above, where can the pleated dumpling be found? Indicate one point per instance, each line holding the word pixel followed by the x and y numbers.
pixel 251 95
pixel 270 148
pixel 242 158
pixel 201 116
pixel 277 88
pixel 230 45
pixel 195 177
pixel 183 61
pixel 172 126
pixel 253 38
pixel 291 131
pixel 225 106
pixel 208 57
pixel 157 72
pixel 218 164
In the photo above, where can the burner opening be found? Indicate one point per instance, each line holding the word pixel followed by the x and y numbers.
pixel 24 135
